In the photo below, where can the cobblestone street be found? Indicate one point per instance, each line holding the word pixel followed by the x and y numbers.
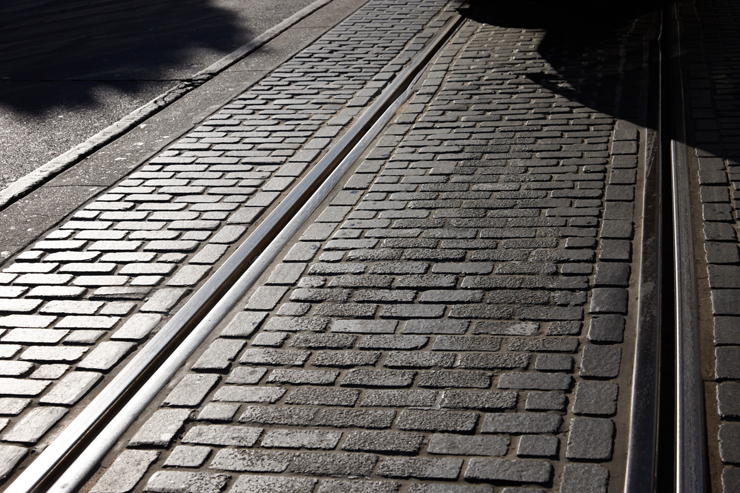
pixel 461 314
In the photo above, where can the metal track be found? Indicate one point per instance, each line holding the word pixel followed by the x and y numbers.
pixel 689 391
pixel 103 421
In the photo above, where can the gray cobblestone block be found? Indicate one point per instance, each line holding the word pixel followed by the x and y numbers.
pixel 544 344
pixel 383 441
pixel 451 444
pixel 433 420
pixel 10 456
pixel 209 254
pixel 521 423
pixel 256 484
pixel 121 293
pixel 266 298
pixel 238 393
pixel 584 478
pixel 730 479
pixel 723 276
pixel 726 301
pixel 564 328
pixel 361 486
pixel 596 397
pixel 436 327
pixel 160 428
pixel 219 354
pixel 137 327
pixel 450 488
pixel 719 232
pixel 345 359
pixel 600 361
pixel 518 471
pixel 187 456
pixel 490 400
pixel 34 424
pixel 721 253
pixel 22 387
pixel 606 328
pixel 51 372
pixel 218 411
pixel 241 460
pixel 66 307
pixel 245 215
pixel 412 311
pixel 278 415
pixel 466 343
pixel 590 439
pixel 323 341
pixel 563 313
pixel 300 377
pixel 34 336
pixel 384 295
pixel 87 322
pixel 261 356
pixel 506 328
pixel 245 375
pixel 538 446
pixel 316 295
pixel 293 324
pixel 378 378
pixel 399 398
pixel 224 435
pixel 27 321
pixel 163 300
pixel 728 399
pixel 310 439
pixel 422 468
pixel 490 361
pixel 729 443
pixel 15 368
pixel 286 274
pixel 191 390
pixel 125 472
pixel 361 418
pixel 323 396
pixel 413 359
pixel 186 482
pixel 608 300
pixel 612 274
pixel 717 212
pixel 554 362
pixel 106 355
pixel 243 324
pixel 189 275
pixel 459 379
pixel 12 406
pixel 42 354
pixel 393 342
pixel 333 464
pixel 71 388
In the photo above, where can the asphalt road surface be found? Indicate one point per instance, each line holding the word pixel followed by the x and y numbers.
pixel 69 68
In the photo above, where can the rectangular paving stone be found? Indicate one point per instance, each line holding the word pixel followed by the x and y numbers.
pixel 422 468
pixel 238 393
pixel 251 460
pixel 106 355
pixel 186 482
pixel 191 390
pixel 163 300
pixel 309 439
pixel 255 484
pixel 137 327
pixel 517 471
pixel 34 424
pixel 452 444
pixel 71 388
pixel 46 354
pixel 160 428
pixel 590 439
pixel 125 472
pixel 520 423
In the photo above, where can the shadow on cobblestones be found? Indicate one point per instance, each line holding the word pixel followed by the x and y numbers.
pixel 582 44
pixel 119 44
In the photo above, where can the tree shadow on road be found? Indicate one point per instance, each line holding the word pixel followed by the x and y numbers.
pixel 589 45
pixel 115 43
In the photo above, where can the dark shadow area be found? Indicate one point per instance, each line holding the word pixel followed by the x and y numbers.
pixel 585 43
pixel 89 45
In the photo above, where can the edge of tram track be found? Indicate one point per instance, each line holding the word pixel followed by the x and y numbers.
pixel 87 439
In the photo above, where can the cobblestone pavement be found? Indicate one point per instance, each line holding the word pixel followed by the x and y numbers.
pixel 458 317
pixel 78 304
pixel 711 65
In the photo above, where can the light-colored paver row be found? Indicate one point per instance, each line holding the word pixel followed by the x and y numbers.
pixel 458 317
pixel 75 305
